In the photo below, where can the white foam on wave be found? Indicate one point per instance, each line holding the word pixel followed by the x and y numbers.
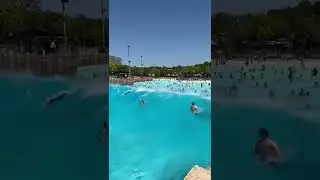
pixel 257 102
pixel 257 96
pixel 97 88
pixel 191 88
pixel 162 90
pixel 93 88
pixel 311 115
pixel 143 89
pixel 159 90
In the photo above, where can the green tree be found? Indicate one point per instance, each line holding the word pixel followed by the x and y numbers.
pixel 20 19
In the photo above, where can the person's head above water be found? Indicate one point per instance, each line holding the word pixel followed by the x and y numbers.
pixel 193 104
pixel 263 133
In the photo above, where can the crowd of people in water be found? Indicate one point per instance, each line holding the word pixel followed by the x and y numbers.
pixel 174 86
pixel 269 78
pixel 283 80
pixel 202 88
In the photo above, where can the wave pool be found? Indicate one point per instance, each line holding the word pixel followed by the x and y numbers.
pixel 159 141
pixel 51 142
pixel 236 121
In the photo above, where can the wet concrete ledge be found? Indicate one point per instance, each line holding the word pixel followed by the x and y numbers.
pixel 199 173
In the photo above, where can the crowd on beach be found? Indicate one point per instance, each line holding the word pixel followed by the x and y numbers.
pixel 290 81
pixel 201 87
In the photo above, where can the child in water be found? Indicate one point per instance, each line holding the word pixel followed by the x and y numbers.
pixel 194 109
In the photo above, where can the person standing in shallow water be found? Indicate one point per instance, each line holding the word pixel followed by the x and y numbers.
pixel 266 149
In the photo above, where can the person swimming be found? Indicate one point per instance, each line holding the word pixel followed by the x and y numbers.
pixel 57 97
pixel 194 109
pixel 127 92
pixel 142 103
pixel 266 149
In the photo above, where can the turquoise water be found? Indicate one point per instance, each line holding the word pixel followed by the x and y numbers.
pixel 160 141
pixel 236 122
pixel 54 142
pixel 235 131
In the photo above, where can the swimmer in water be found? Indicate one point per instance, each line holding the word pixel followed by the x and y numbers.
pixel 142 103
pixel 57 97
pixel 127 92
pixel 266 149
pixel 194 109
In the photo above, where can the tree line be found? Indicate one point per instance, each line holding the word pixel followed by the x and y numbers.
pixel 199 70
pixel 18 22
pixel 300 25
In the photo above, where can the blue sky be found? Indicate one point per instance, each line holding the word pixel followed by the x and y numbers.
pixel 164 32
